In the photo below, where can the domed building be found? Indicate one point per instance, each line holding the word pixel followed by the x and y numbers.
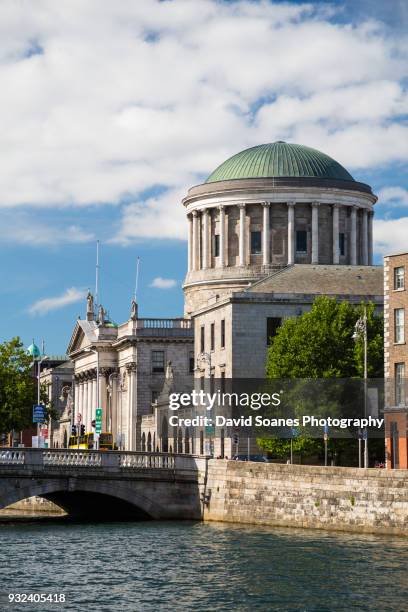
pixel 272 228
pixel 271 206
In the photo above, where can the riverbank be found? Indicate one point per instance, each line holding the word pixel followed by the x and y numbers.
pixel 312 497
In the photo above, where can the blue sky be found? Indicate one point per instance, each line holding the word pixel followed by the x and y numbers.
pixel 111 111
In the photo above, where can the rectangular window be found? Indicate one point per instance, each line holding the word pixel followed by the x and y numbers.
pixel 212 332
pixel 272 324
pixel 191 361
pixel 399 384
pixel 301 241
pixel 399 274
pixel 202 339
pixel 399 335
pixel 216 245
pixel 342 243
pixel 157 361
pixel 155 396
pixel 222 382
pixel 223 333
pixel 256 243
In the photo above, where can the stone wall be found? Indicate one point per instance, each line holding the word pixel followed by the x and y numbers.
pixel 32 506
pixel 344 499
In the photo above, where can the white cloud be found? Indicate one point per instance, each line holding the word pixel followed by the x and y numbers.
pixel 102 101
pixel 396 196
pixel 45 305
pixel 390 235
pixel 163 283
pixel 19 227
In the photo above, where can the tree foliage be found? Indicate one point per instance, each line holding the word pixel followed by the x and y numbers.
pixel 18 387
pixel 319 343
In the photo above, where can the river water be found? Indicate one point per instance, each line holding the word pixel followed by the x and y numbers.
pixel 190 566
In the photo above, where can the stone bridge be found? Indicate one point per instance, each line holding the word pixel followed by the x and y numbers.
pixel 99 484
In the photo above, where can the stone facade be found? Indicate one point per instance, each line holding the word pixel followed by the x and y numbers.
pixel 396 360
pixel 129 362
pixel 342 499
pixel 241 230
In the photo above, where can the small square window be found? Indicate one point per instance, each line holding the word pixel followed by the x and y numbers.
pixel 256 243
pixel 157 361
pixel 399 277
pixel 301 241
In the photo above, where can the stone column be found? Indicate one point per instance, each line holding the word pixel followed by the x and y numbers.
pixel 80 400
pixel 195 249
pixel 364 232
pixel 114 406
pixel 206 245
pixel 221 258
pixel 315 232
pixel 353 249
pixel 189 237
pixel 370 237
pixel 291 233
pixel 241 234
pixel 336 234
pixel 266 234
pixel 132 408
pixel 94 397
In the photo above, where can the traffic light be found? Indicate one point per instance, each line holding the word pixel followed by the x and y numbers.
pixel 93 423
pixel 82 430
pixel 73 430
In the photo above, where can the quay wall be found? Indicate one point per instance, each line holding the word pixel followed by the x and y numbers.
pixel 32 506
pixel 333 498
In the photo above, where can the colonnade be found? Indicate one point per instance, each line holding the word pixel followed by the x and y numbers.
pixel 199 224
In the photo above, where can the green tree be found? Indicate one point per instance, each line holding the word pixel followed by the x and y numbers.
pixel 18 388
pixel 319 343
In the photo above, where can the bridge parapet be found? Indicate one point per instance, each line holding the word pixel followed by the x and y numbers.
pixel 110 461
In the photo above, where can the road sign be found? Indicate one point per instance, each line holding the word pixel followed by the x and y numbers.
pixel 98 420
pixel 38 413
pixel 210 430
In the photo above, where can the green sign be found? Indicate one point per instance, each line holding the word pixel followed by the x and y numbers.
pixel 98 420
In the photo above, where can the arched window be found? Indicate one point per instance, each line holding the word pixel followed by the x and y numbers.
pixel 187 441
pixel 201 443
pixel 143 442
pixel 165 436
pixel 149 442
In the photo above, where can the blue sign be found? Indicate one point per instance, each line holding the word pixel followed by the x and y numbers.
pixel 326 429
pixel 295 432
pixel 39 413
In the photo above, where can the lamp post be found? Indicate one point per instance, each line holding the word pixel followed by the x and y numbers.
pixel 39 362
pixel 360 331
pixel 206 358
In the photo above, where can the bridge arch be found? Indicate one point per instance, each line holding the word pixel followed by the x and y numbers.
pixel 94 499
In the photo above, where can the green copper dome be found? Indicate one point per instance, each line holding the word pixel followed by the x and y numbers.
pixel 279 159
pixel 33 351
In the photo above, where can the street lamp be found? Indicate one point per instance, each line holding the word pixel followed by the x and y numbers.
pixel 43 358
pixel 360 331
